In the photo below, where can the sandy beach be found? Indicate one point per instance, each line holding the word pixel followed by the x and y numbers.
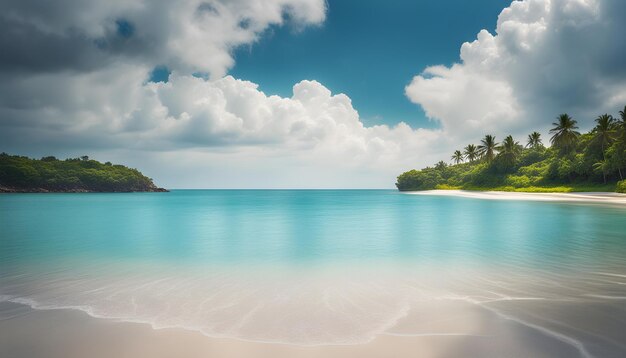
pixel 581 197
pixel 27 333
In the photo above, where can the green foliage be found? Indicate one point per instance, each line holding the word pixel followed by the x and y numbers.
pixel 534 141
pixel 564 134
pixel 487 148
pixel 76 174
pixel 518 181
pixel 621 186
pixel 570 188
pixel 531 156
pixel 471 152
pixel 420 180
pixel 536 172
pixel 594 161
pixel 457 157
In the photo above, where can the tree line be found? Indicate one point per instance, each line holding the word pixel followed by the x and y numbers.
pixel 573 161
pixel 19 173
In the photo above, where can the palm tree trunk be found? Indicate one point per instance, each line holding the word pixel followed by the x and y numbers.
pixel 603 155
pixel 604 158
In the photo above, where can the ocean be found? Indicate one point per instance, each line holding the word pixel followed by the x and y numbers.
pixel 324 267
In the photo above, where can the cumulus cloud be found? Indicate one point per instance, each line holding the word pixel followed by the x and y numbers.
pixel 187 35
pixel 228 116
pixel 76 82
pixel 546 57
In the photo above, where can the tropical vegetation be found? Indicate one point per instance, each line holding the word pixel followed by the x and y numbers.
pixel 593 161
pixel 23 174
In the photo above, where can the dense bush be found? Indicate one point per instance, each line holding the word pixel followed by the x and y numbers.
pixel 420 180
pixel 518 181
pixel 621 186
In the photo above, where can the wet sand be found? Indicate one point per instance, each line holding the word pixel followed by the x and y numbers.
pixel 25 332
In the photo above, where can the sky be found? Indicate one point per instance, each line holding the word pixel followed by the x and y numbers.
pixel 347 52
pixel 298 93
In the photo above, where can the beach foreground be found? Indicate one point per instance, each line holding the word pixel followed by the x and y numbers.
pixel 25 332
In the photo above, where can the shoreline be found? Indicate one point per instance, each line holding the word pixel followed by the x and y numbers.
pixel 27 332
pixel 11 190
pixel 578 197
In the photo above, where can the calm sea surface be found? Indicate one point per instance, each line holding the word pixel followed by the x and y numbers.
pixel 321 266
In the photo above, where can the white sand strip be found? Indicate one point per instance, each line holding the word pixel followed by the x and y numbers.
pixel 586 197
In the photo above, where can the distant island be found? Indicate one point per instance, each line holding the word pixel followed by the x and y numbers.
pixel 20 174
pixel 575 162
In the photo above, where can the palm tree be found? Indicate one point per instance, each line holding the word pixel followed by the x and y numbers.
pixel 457 157
pixel 621 145
pixel 471 152
pixel 441 165
pixel 602 166
pixel 534 140
pixel 487 149
pixel 621 125
pixel 510 150
pixel 564 133
pixel 604 131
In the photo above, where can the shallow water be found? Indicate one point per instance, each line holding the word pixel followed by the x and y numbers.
pixel 324 267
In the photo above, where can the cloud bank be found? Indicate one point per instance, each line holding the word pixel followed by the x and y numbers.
pixel 77 82
pixel 185 35
pixel 547 57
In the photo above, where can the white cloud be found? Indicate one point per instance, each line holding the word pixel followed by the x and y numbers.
pixel 227 120
pixel 467 103
pixel 547 57
pixel 96 100
pixel 86 93
pixel 186 35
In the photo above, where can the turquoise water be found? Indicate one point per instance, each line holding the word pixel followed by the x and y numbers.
pixel 260 253
pixel 301 227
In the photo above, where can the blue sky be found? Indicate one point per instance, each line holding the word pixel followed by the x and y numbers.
pixel 369 52
pixel 76 81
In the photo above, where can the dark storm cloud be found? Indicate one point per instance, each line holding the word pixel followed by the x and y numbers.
pixel 28 49
pixel 185 35
pixel 35 40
